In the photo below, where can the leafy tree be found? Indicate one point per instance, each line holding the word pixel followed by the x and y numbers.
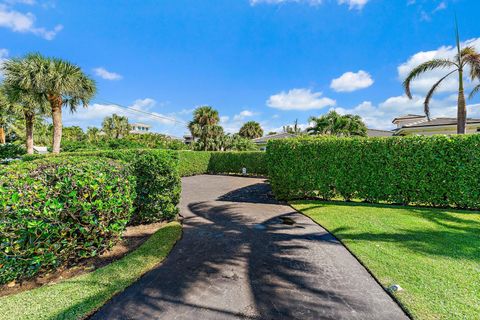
pixel 93 134
pixel 205 128
pixel 251 130
pixel 27 105
pixel 6 117
pixel 465 57
pixel 271 132
pixel 74 133
pixel 60 82
pixel 116 126
pixel 295 129
pixel 339 125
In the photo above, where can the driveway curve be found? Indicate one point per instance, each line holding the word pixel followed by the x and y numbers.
pixel 243 255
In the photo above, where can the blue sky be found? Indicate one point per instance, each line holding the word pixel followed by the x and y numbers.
pixel 272 61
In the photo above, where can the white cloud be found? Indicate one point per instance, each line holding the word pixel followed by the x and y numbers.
pixel 441 6
pixel 299 99
pixel 351 81
pixel 25 23
pixel 354 4
pixel 244 114
pixel 107 75
pixel 423 84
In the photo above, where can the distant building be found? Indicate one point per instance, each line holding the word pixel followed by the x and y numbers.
pixel 262 141
pixel 379 133
pixel 139 128
pixel 412 124
pixel 187 139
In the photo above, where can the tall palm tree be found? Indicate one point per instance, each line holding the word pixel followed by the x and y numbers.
pixel 60 82
pixel 28 105
pixel 93 134
pixel 205 128
pixel 251 130
pixel 116 126
pixel 338 125
pixel 465 57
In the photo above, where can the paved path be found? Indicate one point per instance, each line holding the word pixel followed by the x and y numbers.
pixel 238 259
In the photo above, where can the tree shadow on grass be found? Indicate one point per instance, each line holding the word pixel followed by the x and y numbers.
pixel 452 233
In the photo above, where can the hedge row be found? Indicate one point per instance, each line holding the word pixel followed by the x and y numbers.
pixel 59 211
pixel 434 171
pixel 201 162
pixel 158 182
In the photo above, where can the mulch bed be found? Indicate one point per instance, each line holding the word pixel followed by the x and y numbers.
pixel 133 237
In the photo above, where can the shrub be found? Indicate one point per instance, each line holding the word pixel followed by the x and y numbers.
pixel 435 171
pixel 10 151
pixel 193 162
pixel 158 181
pixel 58 211
pixel 234 162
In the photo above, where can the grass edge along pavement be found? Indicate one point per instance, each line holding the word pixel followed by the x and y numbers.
pixel 78 297
pixel 431 253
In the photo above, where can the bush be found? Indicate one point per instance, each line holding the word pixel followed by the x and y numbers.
pixel 10 151
pixel 193 162
pixel 158 181
pixel 435 171
pixel 234 162
pixel 58 211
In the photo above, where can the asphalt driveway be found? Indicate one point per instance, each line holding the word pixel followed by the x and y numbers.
pixel 245 256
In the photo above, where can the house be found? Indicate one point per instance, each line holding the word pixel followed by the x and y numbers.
pixel 420 125
pixel 379 133
pixel 262 141
pixel 139 128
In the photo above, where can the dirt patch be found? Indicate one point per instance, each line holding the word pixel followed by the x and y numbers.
pixel 133 237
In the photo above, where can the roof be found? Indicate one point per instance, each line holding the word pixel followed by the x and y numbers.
pixel 283 135
pixel 139 124
pixel 438 122
pixel 408 117
pixel 379 133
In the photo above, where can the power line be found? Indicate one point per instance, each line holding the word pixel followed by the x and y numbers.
pixel 152 115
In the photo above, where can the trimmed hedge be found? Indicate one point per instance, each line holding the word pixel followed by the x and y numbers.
pixel 11 151
pixel 58 211
pixel 233 162
pixel 193 162
pixel 435 171
pixel 158 181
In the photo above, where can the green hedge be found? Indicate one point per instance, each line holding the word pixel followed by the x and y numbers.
pixel 11 151
pixel 202 162
pixel 158 180
pixel 59 211
pixel 435 171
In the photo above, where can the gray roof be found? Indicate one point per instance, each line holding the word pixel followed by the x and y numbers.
pixel 379 133
pixel 408 117
pixel 437 122
pixel 282 135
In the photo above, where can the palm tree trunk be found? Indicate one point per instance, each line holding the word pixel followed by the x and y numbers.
pixel 461 108
pixel 2 136
pixel 29 130
pixel 56 105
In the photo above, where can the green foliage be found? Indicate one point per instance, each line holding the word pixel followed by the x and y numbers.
pixel 338 125
pixel 435 171
pixel 60 210
pixel 116 126
pixel 158 181
pixel 201 162
pixel 234 162
pixel 193 162
pixel 251 130
pixel 11 151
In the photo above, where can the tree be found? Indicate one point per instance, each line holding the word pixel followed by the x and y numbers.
pixel 465 57
pixel 338 125
pixel 73 133
pixel 60 82
pixel 116 126
pixel 251 130
pixel 5 116
pixel 205 128
pixel 295 129
pixel 26 104
pixel 93 134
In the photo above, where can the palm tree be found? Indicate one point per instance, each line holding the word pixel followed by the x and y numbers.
pixel 60 82
pixel 338 125
pixel 93 134
pixel 29 106
pixel 465 57
pixel 295 129
pixel 116 126
pixel 251 130
pixel 204 126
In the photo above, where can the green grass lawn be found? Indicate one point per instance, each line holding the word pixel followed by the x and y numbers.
pixel 433 254
pixel 78 297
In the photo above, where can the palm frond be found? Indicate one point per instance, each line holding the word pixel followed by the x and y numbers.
pixel 474 92
pixel 425 67
pixel 430 93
